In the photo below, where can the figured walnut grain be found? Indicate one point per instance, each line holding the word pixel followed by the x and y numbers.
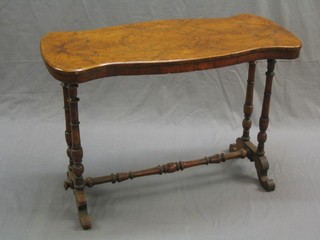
pixel 165 46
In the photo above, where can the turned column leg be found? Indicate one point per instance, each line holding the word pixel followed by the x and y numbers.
pixel 261 161
pixel 67 123
pixel 264 119
pixel 76 149
pixel 248 106
pixel 75 179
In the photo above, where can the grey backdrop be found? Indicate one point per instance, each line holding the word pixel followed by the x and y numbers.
pixel 129 123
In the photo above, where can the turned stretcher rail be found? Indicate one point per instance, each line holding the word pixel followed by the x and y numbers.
pixel 166 168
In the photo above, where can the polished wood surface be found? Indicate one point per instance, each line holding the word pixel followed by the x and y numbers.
pixel 165 46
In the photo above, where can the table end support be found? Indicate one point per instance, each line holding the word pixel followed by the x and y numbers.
pixel 75 153
pixel 261 162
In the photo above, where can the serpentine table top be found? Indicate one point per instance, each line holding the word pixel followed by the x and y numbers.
pixel 165 46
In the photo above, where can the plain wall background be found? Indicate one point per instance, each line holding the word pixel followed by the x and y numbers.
pixel 130 123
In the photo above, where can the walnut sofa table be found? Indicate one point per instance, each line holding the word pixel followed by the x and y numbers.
pixel 160 47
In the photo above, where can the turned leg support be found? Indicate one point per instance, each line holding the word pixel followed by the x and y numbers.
pixel 67 120
pixel 261 162
pixel 248 105
pixel 257 154
pixel 247 108
pixel 74 152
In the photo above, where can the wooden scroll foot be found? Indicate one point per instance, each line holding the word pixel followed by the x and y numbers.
pixel 261 162
pixel 262 167
pixel 84 217
pixel 81 202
